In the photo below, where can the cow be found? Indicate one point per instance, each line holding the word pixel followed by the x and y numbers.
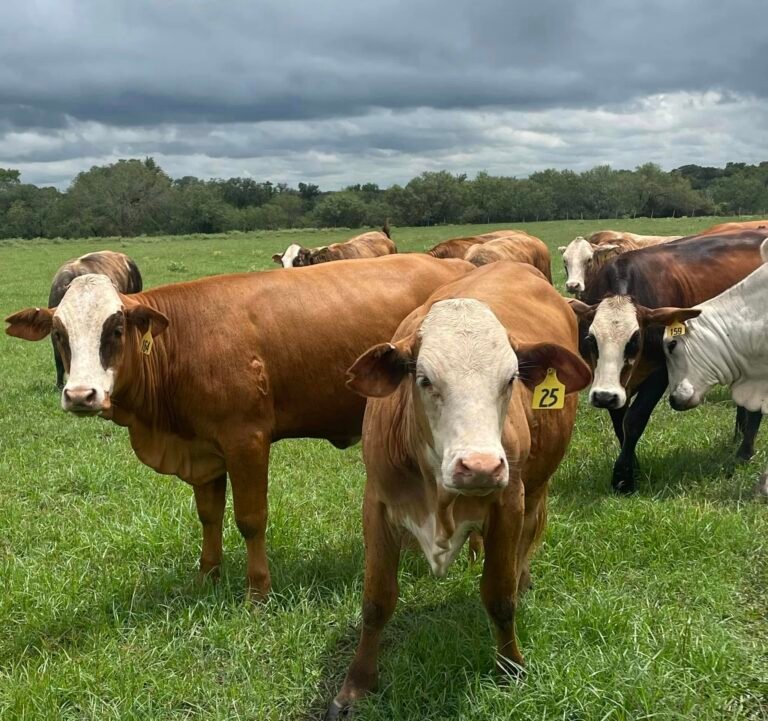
pixel 452 445
pixel 458 247
pixel 207 374
pixel 624 348
pixel 736 225
pixel 519 247
pixel 367 245
pixel 583 258
pixel 118 267
pixel 721 341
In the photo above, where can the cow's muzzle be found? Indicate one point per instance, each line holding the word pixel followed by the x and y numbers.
pixel 84 401
pixel 478 474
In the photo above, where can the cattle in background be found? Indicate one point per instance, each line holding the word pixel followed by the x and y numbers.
pixel 725 342
pixel 367 245
pixel 118 267
pixel 520 247
pixel 623 346
pixel 740 225
pixel 584 257
pixel 458 247
pixel 452 445
pixel 207 374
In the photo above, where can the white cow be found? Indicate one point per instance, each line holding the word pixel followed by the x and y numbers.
pixel 725 342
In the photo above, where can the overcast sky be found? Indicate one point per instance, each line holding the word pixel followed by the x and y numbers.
pixel 342 91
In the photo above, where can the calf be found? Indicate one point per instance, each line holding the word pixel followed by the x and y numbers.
pixel 721 341
pixel 367 245
pixel 520 247
pixel 207 374
pixel 458 247
pixel 619 339
pixel 452 445
pixel 118 267
pixel 583 258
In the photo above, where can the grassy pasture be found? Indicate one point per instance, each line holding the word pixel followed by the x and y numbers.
pixel 646 607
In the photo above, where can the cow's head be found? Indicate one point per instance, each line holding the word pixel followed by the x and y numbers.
pixel 578 256
pixel 462 368
pixel 89 328
pixel 294 256
pixel 688 382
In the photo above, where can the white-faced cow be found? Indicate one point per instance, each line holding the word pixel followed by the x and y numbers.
pixel 367 245
pixel 518 246
pixel 118 267
pixel 725 342
pixel 623 344
pixel 452 445
pixel 207 374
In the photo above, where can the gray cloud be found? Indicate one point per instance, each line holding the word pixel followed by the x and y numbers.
pixel 269 85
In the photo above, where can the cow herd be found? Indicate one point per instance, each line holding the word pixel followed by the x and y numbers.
pixel 459 368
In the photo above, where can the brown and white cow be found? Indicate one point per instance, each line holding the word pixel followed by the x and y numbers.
pixel 207 374
pixel 458 247
pixel 520 247
pixel 118 267
pixel 584 257
pixel 367 245
pixel 452 445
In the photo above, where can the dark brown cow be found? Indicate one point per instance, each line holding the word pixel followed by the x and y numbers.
pixel 118 267
pixel 452 445
pixel 207 374
pixel 520 247
pixel 623 346
pixel 367 245
pixel 458 247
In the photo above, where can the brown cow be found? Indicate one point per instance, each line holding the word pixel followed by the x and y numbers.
pixel 583 257
pixel 520 247
pixel 367 245
pixel 118 267
pixel 745 225
pixel 458 247
pixel 452 445
pixel 207 374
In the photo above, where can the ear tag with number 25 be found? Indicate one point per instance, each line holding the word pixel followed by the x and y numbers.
pixel 147 341
pixel 675 330
pixel 549 395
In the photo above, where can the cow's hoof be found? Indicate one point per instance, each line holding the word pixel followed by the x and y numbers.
pixel 508 671
pixel 744 455
pixel 624 486
pixel 208 573
pixel 339 711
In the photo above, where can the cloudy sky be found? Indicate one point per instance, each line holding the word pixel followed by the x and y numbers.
pixel 342 91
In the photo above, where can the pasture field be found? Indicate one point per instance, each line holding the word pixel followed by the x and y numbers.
pixel 646 607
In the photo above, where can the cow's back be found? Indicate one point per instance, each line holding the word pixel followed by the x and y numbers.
pixel 118 267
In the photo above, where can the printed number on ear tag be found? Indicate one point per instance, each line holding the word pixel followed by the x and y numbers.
pixel 147 341
pixel 549 395
pixel 674 330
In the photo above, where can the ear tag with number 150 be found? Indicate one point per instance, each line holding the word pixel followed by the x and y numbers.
pixel 549 395
pixel 675 330
pixel 147 341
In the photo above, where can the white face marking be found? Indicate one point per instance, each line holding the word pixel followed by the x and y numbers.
pixel 290 255
pixel 577 256
pixel 614 325
pixel 88 302
pixel 466 357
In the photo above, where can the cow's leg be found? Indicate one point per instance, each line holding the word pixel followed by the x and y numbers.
pixel 382 556
pixel 499 582
pixel 475 546
pixel 210 499
pixel 636 419
pixel 617 418
pixel 534 523
pixel 750 427
pixel 59 368
pixel 738 431
pixel 248 467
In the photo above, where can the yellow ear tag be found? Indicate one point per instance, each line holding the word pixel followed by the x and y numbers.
pixel 549 395
pixel 147 341
pixel 675 330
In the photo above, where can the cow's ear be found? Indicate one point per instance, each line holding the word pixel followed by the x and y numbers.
pixel 562 248
pixel 380 370
pixel 140 316
pixel 535 359
pixel 277 258
pixel 666 316
pixel 582 310
pixel 601 250
pixel 30 324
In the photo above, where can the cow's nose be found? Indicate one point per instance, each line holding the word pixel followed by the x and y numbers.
pixel 80 397
pixel 573 287
pixel 678 404
pixel 478 471
pixel 604 399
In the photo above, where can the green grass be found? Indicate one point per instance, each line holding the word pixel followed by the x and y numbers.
pixel 645 607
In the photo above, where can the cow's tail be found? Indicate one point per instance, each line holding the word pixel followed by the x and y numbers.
pixel 136 283
pixel 386 229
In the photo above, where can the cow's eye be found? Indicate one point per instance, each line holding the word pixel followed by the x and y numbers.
pixel 55 335
pixel 671 346
pixel 118 332
pixel 424 382
pixel 633 345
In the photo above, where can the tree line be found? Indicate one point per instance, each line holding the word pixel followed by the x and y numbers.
pixel 135 197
